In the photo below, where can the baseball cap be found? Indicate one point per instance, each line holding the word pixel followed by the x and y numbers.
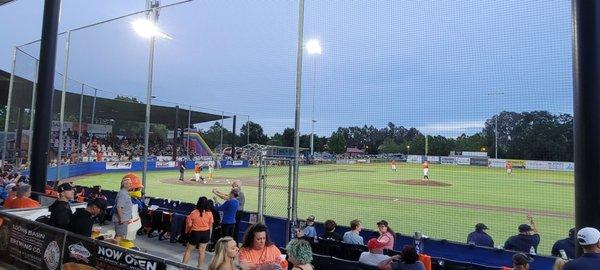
pixel 521 259
pixel 382 222
pixel 481 226
pixel 588 236
pixel 525 228
pixel 64 187
pixel 373 244
pixel 310 218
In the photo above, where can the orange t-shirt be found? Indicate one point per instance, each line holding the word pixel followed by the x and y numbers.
pixel 269 254
pixel 8 199
pixel 195 222
pixel 21 203
pixel 197 169
pixel 425 165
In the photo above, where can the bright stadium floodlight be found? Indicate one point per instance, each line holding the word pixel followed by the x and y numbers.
pixel 148 29
pixel 313 46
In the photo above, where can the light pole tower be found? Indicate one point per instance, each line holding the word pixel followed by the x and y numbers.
pixel 313 47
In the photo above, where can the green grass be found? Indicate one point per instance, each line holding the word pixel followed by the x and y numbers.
pixel 401 205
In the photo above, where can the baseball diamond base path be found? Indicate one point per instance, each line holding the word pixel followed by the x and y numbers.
pixel 409 200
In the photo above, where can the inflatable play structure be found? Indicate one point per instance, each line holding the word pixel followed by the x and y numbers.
pixel 197 144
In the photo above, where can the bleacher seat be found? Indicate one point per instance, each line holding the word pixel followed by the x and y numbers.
pixel 326 247
pixel 341 264
pixel 321 262
pixel 350 251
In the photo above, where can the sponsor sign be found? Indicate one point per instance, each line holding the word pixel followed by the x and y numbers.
pixel 497 163
pixel 79 253
pixel 165 164
pixel 517 163
pixel 414 159
pixel 108 257
pixel 433 159
pixel 569 166
pixel 546 165
pixel 118 165
pixel 35 245
pixel 448 160
pixel 463 161
pixel 474 154
pixel 479 161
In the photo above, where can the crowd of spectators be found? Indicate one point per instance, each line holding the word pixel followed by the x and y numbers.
pixel 109 147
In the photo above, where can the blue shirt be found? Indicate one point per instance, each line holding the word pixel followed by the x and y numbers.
pixel 522 243
pixel 229 209
pixel 567 244
pixel 480 238
pixel 351 237
pixel 310 231
pixel 587 261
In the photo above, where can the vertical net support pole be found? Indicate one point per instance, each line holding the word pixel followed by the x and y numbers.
pixel 8 106
pixel 62 107
pixel 32 111
pixel 261 189
pixel 80 119
pixel 294 184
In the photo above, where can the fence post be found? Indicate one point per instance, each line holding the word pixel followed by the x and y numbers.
pixel 261 189
pixel 7 118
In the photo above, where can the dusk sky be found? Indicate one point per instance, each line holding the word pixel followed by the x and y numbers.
pixel 434 65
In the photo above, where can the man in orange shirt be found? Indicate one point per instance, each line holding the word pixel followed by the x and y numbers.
pixel 22 200
pixel 198 173
pixel 509 167
pixel 393 164
pixel 426 170
pixel 12 192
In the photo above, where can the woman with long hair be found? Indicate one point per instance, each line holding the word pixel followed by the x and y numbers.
pixel 226 255
pixel 258 252
pixel 198 226
pixel 386 235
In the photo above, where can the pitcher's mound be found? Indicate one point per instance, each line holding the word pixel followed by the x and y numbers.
pixel 419 182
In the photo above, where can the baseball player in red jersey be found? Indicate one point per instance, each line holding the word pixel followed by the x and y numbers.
pixel 426 170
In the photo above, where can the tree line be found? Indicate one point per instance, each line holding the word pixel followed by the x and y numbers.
pixel 535 135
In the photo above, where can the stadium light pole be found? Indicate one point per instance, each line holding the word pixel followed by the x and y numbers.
pixel 496 125
pixel 313 47
pixel 147 28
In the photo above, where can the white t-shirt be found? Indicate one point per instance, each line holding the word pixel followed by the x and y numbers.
pixel 372 258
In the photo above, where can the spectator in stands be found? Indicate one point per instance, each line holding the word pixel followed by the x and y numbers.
pixel 309 230
pixel 386 235
pixel 479 237
pixel 375 254
pixel 97 193
pixel 122 210
pixel 226 255
pixel 566 245
pixel 235 185
pixel 60 210
pixel 300 254
pixel 258 252
pixel 82 220
pixel 521 261
pixel 589 240
pixel 330 233
pixel 527 240
pixel 198 225
pixel 11 190
pixel 353 236
pixel 216 228
pixel 229 209
pixel 22 200
pixel 408 259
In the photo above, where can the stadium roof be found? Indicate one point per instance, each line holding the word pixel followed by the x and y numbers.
pixel 106 108
pixel 2 2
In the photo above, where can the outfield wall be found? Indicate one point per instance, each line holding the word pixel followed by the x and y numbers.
pixel 72 170
pixel 494 163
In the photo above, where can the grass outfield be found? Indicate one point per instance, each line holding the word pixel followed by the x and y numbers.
pixel 367 192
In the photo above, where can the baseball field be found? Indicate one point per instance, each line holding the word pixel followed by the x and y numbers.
pixel 446 207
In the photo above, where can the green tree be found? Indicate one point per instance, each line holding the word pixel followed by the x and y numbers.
pixel 287 138
pixel 257 134
pixel 337 143
pixel 389 146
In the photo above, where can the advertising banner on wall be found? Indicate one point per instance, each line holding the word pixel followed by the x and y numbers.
pixel 118 165
pixel 448 160
pixel 414 159
pixel 166 164
pixel 35 245
pixel 496 163
pixel 517 163
pixel 433 159
pixel 479 161
pixel 463 161
pixel 108 257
